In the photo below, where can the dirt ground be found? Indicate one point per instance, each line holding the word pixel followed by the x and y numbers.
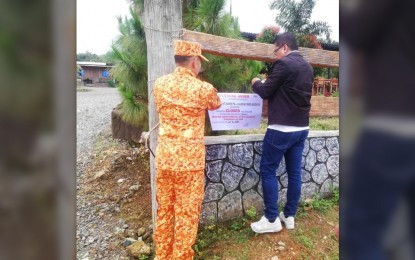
pixel 118 166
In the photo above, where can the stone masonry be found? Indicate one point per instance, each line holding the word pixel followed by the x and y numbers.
pixel 232 179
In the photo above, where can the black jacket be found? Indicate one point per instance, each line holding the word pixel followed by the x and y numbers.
pixel 288 90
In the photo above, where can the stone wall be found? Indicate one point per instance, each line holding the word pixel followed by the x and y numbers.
pixel 233 184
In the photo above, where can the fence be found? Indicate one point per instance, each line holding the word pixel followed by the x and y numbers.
pixel 233 184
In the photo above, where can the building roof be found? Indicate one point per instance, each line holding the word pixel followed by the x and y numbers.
pixel 326 46
pixel 93 64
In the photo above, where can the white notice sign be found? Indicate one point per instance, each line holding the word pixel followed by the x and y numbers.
pixel 238 111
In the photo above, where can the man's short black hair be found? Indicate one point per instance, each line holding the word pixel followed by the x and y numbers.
pixel 182 59
pixel 286 38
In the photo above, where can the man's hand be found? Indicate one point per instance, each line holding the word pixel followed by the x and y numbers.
pixel 254 80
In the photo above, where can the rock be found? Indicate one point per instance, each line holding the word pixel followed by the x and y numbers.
pixel 231 176
pixel 274 258
pixel 138 249
pixel 214 191
pixel 146 235
pixel 92 239
pixel 257 162
pixel 333 145
pixel 141 231
pixel 251 178
pixel 317 143
pixel 281 248
pixel 241 155
pixel 310 160
pixel 213 170
pixel 120 180
pixel 128 241
pixel 252 199
pixel 129 158
pixel 215 152
pixel 208 214
pixel 99 174
pixel 230 206
pixel 280 243
pixel 119 230
pixel 258 147
pixel 320 173
pixel 134 187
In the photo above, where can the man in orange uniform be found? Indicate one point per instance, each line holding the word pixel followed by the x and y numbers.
pixel 181 100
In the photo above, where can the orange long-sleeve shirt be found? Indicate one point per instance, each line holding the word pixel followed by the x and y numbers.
pixel 181 101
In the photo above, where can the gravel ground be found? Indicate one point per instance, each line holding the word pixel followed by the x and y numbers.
pixel 94 238
pixel 93 116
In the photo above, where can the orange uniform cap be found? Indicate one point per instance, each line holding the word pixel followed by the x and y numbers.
pixel 185 48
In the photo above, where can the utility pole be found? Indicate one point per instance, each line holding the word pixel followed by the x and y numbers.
pixel 163 24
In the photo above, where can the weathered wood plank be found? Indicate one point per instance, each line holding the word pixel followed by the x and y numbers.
pixel 234 48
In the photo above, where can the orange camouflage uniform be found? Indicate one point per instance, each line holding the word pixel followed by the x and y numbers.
pixel 181 100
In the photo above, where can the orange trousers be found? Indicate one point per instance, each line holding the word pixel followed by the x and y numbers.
pixel 179 196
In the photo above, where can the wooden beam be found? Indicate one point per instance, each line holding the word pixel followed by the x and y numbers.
pixel 233 48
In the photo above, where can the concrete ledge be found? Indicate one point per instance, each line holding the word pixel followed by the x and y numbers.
pixel 234 139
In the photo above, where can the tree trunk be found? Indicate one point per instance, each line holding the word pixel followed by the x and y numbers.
pixel 162 22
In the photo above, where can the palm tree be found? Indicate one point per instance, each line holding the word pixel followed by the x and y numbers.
pixel 295 17
pixel 130 54
pixel 226 74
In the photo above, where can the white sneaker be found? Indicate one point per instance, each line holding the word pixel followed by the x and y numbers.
pixel 289 221
pixel 264 226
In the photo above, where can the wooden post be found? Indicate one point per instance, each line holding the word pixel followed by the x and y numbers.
pixel 163 24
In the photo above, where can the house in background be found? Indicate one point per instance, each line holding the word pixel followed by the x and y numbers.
pixel 94 74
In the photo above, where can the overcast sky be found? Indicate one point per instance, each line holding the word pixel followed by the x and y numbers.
pixel 97 24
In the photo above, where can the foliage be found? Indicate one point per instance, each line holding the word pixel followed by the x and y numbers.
pixel 267 34
pixel 306 241
pixel 108 57
pixel 294 16
pixel 322 205
pixel 112 83
pixel 230 75
pixel 226 74
pixel 235 231
pixel 130 55
pixel 78 69
pixel 251 213
pixel 88 56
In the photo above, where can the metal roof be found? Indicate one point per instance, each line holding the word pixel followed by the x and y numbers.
pixel 93 64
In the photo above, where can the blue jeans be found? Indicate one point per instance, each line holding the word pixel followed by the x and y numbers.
pixel 276 145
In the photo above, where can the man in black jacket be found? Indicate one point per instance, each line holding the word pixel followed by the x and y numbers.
pixel 288 90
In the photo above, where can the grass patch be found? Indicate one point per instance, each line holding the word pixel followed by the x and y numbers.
pixel 321 205
pixel 324 123
pixel 306 241
pixel 313 237
pixel 316 124
pixel 237 231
